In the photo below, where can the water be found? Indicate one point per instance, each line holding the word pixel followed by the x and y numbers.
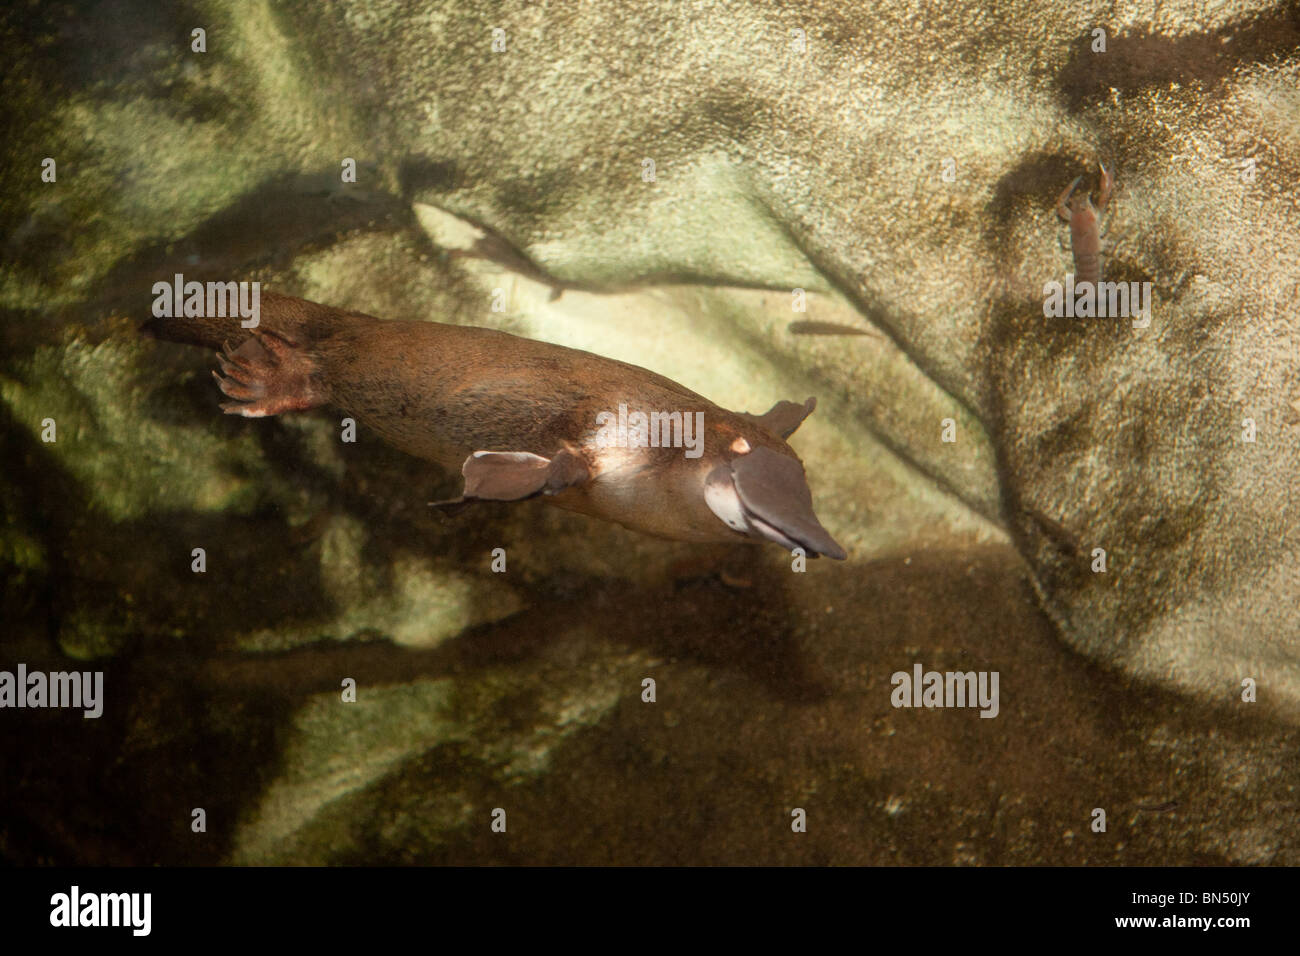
pixel 338 674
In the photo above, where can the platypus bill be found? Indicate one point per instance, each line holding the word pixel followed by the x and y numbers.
pixel 521 418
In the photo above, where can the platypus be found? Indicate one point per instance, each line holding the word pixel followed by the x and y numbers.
pixel 520 418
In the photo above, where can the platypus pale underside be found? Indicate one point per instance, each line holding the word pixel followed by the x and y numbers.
pixel 519 418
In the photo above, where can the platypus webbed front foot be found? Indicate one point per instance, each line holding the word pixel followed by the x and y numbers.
pixel 516 475
pixel 783 418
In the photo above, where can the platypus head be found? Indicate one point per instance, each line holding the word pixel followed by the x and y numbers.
pixel 763 494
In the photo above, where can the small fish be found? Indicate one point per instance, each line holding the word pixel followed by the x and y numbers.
pixel 826 328
pixel 1158 807
pixel 491 247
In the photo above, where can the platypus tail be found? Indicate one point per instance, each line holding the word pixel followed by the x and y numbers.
pixel 295 320
pixel 271 368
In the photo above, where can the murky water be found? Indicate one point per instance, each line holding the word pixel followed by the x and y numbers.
pixel 306 663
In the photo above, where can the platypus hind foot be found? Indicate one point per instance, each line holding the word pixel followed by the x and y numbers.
pixel 267 375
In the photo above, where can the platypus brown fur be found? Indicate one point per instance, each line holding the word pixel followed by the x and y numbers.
pixel 518 418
